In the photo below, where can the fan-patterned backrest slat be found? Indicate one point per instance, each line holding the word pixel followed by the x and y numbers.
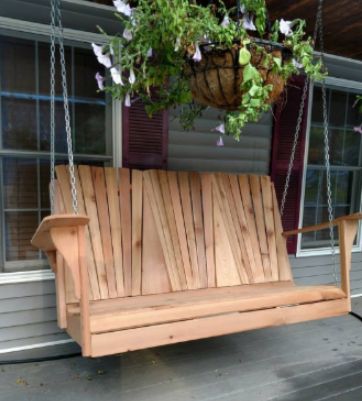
pixel 161 231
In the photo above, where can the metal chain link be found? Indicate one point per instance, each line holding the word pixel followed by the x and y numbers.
pixel 58 30
pixel 295 144
pixel 52 108
pixel 326 146
pixel 318 31
pixel 299 120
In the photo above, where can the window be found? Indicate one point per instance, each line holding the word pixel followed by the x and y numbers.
pixel 345 160
pixel 24 138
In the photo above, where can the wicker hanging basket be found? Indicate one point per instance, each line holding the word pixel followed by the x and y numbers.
pixel 215 81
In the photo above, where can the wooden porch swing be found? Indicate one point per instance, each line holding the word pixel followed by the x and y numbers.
pixel 147 258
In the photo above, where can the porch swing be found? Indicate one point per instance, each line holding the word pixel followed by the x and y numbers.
pixel 148 258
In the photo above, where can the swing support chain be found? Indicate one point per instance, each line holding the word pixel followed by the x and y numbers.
pixel 57 34
pixel 318 33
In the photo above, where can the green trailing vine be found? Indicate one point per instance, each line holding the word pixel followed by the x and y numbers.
pixel 159 38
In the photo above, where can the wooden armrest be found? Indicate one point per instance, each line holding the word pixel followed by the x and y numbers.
pixel 42 238
pixel 322 226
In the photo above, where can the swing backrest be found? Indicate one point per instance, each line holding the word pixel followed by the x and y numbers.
pixel 162 231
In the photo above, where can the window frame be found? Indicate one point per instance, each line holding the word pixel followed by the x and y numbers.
pixel 28 30
pixel 336 83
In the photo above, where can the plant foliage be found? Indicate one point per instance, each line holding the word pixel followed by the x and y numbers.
pixel 158 38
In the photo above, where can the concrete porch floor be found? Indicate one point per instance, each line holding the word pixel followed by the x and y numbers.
pixel 313 361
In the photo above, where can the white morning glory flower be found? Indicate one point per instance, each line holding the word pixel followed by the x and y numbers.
pixel 226 21
pixel 220 142
pixel 149 52
pixel 122 7
pixel 127 100
pixel 116 76
pixel 358 129
pixel 105 60
pixel 197 55
pixel 132 77
pixel 97 50
pixel 285 27
pixel 297 64
pixel 248 23
pixel 220 128
pixel 127 34
pixel 100 81
pixel 242 9
pixel 177 44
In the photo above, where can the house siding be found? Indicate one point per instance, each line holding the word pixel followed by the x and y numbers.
pixel 28 319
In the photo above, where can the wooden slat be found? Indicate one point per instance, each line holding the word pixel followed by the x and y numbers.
pixel 251 224
pixel 171 221
pixel 171 333
pixel 189 296
pixel 257 271
pixel 195 185
pixel 125 209
pixel 120 318
pixel 84 299
pixel 180 227
pixel 155 278
pixel 137 197
pixel 189 225
pixel 285 272
pixel 226 268
pixel 162 230
pixel 206 185
pixel 94 291
pixel 267 197
pixel 94 229
pixel 100 192
pixel 229 199
pixel 260 224
pixel 64 185
pixel 229 227
pixel 60 292
pixel 115 223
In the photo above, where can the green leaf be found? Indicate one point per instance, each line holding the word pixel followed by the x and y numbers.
pixel 244 56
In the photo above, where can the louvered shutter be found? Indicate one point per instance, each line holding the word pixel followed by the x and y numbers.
pixel 286 114
pixel 144 138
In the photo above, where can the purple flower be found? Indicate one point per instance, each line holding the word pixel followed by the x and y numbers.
pixel 220 142
pixel 122 7
pixel 127 34
pixel 197 55
pixel 127 100
pixel 132 77
pixel 226 21
pixel 220 128
pixel 100 81
pixel 248 23
pixel 285 27
pixel 358 129
pixel 116 76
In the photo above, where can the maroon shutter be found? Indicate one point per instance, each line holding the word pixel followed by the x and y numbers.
pixel 286 114
pixel 144 138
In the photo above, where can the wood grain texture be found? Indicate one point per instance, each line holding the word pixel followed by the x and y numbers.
pixel 171 333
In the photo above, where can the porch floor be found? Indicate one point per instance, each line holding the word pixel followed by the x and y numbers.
pixel 312 361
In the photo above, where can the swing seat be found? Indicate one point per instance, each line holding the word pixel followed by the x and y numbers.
pixel 159 257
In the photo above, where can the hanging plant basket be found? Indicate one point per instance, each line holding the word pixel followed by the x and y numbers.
pixel 195 54
pixel 216 80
